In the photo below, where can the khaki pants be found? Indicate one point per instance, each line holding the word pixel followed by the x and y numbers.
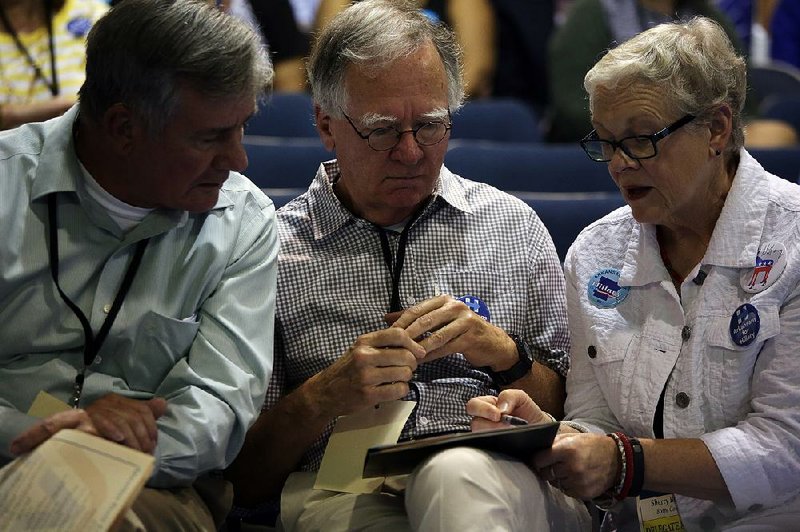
pixel 305 509
pixel 203 506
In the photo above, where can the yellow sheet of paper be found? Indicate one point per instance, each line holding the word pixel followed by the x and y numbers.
pixel 45 405
pixel 353 435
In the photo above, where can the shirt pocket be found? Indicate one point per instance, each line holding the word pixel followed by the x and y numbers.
pixel 161 342
pixel 729 366
pixel 607 352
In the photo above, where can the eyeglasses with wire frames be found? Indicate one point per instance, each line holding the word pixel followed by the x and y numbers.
pixel 637 147
pixel 386 138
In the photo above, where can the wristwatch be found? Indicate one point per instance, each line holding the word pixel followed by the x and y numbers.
pixel 518 370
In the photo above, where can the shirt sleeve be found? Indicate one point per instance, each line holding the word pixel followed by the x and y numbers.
pixel 215 393
pixel 585 402
pixel 759 458
pixel 547 332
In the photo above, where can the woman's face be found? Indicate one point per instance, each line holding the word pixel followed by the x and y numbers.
pixel 677 184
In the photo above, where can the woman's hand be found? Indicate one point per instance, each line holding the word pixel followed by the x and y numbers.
pixel 581 465
pixel 487 410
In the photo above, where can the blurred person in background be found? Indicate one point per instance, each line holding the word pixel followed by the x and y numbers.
pixel 473 23
pixel 42 56
pixel 593 26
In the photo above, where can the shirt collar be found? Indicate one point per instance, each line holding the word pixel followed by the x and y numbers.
pixel 58 169
pixel 328 214
pixel 734 241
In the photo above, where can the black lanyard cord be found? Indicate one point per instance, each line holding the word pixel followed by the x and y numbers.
pixel 92 343
pixel 396 266
pixel 52 85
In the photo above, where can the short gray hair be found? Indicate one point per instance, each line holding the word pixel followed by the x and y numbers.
pixel 693 64
pixel 372 34
pixel 142 51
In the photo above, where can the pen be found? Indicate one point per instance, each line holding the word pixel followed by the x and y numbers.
pixel 512 420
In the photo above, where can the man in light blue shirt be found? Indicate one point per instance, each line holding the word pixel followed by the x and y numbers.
pixel 137 267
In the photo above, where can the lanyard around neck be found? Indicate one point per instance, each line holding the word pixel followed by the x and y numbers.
pixel 395 266
pixel 91 342
pixel 52 85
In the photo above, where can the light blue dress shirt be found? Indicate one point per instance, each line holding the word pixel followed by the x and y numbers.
pixel 196 327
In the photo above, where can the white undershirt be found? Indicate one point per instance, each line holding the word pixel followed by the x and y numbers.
pixel 126 216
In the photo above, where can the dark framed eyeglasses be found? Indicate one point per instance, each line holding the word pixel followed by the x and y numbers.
pixel 386 138
pixel 637 147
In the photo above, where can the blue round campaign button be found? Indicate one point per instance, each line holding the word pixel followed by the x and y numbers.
pixel 745 324
pixel 477 305
pixel 604 290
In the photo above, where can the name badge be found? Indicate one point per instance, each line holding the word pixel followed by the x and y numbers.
pixel 659 513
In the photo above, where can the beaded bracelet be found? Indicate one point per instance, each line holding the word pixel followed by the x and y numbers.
pixel 626 487
pixel 616 489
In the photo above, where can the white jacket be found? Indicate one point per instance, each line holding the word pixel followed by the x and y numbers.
pixel 743 401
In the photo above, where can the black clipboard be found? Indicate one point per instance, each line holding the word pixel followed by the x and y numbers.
pixel 402 458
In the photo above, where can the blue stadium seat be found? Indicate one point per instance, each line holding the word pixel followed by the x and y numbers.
pixel 782 107
pixel 783 162
pixel 283 163
pixel 566 215
pixel 500 120
pixel 774 79
pixel 285 114
pixel 532 167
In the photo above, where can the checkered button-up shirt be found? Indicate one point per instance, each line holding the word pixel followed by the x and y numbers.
pixel 470 240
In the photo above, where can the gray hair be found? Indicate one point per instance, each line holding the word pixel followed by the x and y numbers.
pixel 693 63
pixel 371 35
pixel 142 51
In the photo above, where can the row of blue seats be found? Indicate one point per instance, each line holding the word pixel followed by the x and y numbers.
pixel 564 215
pixel 776 89
pixel 292 163
pixel 291 115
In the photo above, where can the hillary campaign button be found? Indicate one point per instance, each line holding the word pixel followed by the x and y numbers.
pixel 745 324
pixel 477 305
pixel 604 290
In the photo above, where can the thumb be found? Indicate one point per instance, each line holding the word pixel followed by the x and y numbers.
pixel 158 406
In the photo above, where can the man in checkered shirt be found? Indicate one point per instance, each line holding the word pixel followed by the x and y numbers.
pixel 385 228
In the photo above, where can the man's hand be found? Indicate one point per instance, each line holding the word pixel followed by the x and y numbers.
pixel 447 325
pixel 487 410
pixel 376 368
pixel 130 422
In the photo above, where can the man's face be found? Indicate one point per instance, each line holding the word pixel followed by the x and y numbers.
pixel 184 166
pixel 386 187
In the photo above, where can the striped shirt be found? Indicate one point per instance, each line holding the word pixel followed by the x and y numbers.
pixel 471 239
pixel 18 80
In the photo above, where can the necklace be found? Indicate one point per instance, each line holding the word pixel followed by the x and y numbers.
pixel 48 8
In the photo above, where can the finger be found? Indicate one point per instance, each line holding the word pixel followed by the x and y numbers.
pixel 157 406
pixel 484 407
pixel 42 431
pixel 391 317
pixel 412 314
pixel 478 424
pixel 388 392
pixel 446 339
pixel 111 427
pixel 370 358
pixel 391 337
pixel 390 374
pixel 430 325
